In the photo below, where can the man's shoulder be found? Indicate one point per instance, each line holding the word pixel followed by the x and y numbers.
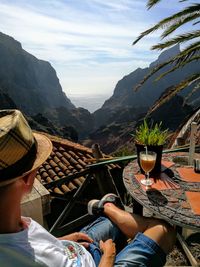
pixel 11 258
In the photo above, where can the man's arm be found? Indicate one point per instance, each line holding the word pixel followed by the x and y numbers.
pixel 109 252
pixel 79 237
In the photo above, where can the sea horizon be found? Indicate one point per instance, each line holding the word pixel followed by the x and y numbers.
pixel 91 102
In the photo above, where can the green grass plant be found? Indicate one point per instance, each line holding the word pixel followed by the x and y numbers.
pixel 151 135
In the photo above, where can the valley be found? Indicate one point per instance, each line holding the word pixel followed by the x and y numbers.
pixel 32 85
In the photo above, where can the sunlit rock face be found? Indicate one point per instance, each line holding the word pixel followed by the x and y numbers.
pixel 32 86
pixel 31 83
pixel 125 97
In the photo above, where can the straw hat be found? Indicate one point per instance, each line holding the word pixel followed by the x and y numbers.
pixel 21 150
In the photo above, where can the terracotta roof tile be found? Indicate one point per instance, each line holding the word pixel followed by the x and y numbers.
pixel 65 188
pixel 71 186
pixel 55 158
pixel 58 191
pixel 79 181
pixel 44 175
pixel 51 173
pixel 47 167
pixel 65 162
pixel 66 168
pixel 62 166
pixel 57 169
pixel 52 163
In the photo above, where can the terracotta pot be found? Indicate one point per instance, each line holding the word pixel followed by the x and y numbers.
pixel 158 149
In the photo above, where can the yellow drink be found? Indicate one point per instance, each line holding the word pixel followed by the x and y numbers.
pixel 147 162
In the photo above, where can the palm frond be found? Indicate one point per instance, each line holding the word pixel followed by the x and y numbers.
pixel 196 88
pixel 177 67
pixel 178 39
pixel 179 61
pixel 188 11
pixel 195 23
pixel 180 22
pixel 150 30
pixel 152 3
pixel 188 52
pixel 153 71
pixel 173 90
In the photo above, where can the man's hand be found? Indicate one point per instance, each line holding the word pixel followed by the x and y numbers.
pixel 109 252
pixel 79 237
pixel 108 247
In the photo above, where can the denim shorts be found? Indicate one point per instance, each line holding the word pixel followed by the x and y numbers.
pixel 141 251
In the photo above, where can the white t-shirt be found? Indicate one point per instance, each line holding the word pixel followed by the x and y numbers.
pixel 37 243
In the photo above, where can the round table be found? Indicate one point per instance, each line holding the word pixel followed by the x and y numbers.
pixel 175 205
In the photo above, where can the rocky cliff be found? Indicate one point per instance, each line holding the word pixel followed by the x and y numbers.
pixel 32 86
pixel 30 82
pixel 118 117
pixel 117 136
pixel 124 96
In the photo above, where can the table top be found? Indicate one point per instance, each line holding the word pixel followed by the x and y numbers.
pixel 175 196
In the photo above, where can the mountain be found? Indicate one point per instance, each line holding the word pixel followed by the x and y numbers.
pixel 117 136
pixel 126 108
pixel 125 97
pixel 32 86
pixel 31 82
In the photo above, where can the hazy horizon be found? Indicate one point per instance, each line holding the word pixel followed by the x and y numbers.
pixel 89 102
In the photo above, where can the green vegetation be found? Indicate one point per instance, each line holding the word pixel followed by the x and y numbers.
pixel 151 135
pixel 189 15
pixel 125 150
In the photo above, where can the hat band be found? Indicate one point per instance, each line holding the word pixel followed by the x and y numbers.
pixel 21 166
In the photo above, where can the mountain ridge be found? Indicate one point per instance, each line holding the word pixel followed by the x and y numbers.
pixel 21 71
pixel 124 95
pixel 32 85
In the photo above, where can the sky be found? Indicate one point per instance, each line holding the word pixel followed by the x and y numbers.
pixel 88 42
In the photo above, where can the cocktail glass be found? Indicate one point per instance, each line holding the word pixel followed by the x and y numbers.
pixel 147 163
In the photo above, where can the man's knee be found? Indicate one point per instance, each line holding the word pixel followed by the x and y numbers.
pixel 163 233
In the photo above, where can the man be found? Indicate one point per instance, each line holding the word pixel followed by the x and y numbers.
pixel 21 153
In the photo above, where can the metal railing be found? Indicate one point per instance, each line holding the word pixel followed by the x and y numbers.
pixel 132 157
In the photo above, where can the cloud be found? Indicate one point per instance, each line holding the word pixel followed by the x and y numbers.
pixel 88 39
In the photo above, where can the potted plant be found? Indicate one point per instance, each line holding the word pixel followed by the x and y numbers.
pixel 154 137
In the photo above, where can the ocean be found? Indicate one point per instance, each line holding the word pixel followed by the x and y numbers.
pixel 89 102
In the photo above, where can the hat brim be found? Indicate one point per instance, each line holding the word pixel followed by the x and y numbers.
pixel 44 148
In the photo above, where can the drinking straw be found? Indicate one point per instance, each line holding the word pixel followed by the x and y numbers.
pixel 146 150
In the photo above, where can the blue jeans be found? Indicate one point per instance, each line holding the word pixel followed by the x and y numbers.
pixel 141 251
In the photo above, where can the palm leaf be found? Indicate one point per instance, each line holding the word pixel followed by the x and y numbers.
pixel 173 90
pixel 152 3
pixel 177 40
pixel 177 67
pixel 178 60
pixel 153 71
pixel 171 19
pixel 188 52
pixel 195 23
pixel 179 23
pixel 187 55
pixel 196 88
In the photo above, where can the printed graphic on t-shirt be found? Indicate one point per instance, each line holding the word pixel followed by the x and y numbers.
pixel 73 251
